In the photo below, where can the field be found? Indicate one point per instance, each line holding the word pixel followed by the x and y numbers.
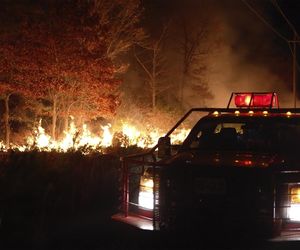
pixel 46 197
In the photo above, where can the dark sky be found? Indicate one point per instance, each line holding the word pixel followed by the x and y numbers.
pixel 235 14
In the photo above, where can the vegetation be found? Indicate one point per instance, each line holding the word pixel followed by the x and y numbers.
pixel 60 56
pixel 46 194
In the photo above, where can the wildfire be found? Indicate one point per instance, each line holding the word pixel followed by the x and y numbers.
pixel 76 139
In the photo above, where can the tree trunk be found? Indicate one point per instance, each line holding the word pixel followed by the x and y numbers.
pixel 66 118
pixel 154 62
pixel 54 118
pixel 181 87
pixel 6 120
pixel 66 122
pixel 153 97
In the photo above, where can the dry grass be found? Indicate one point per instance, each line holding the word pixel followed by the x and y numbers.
pixel 43 194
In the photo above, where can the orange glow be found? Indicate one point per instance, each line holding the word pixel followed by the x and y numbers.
pixel 77 138
pixel 295 195
pixel 265 113
pixel 146 192
pixel 215 113
pixel 294 209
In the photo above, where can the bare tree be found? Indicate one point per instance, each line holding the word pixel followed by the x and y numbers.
pixel 153 64
pixel 194 48
pixel 116 24
pixel 9 85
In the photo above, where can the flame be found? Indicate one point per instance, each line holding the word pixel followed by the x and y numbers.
pixel 41 139
pixel 75 139
pixel 179 135
pixel 107 136
pixel 69 139
pixel 2 146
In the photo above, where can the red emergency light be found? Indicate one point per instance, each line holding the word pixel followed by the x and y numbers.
pixel 256 100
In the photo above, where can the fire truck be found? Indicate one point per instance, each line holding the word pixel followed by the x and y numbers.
pixel 238 169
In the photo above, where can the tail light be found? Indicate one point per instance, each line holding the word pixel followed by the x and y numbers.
pixel 294 209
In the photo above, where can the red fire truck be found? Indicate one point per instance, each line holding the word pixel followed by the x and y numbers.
pixel 238 168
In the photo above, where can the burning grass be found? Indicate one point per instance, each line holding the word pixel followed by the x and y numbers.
pixel 83 140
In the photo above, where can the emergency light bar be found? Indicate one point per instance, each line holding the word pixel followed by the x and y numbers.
pixel 255 100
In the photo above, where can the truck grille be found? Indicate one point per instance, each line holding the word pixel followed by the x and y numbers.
pixel 199 195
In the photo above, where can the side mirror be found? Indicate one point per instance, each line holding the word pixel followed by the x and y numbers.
pixel 164 147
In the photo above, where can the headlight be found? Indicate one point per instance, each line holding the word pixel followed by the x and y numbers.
pixel 146 193
pixel 294 209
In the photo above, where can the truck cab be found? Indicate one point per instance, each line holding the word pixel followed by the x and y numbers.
pixel 238 168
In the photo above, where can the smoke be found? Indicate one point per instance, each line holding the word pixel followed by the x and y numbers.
pixel 249 56
pixel 230 72
pixel 243 55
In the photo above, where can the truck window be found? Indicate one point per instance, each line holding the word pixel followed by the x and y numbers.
pixel 245 136
pixel 222 135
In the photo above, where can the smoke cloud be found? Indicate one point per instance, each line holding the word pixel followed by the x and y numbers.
pixel 244 54
pixel 250 56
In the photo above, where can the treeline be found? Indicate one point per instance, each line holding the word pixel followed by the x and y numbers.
pixel 60 59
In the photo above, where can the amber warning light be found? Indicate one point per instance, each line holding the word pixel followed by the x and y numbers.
pixel 256 100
